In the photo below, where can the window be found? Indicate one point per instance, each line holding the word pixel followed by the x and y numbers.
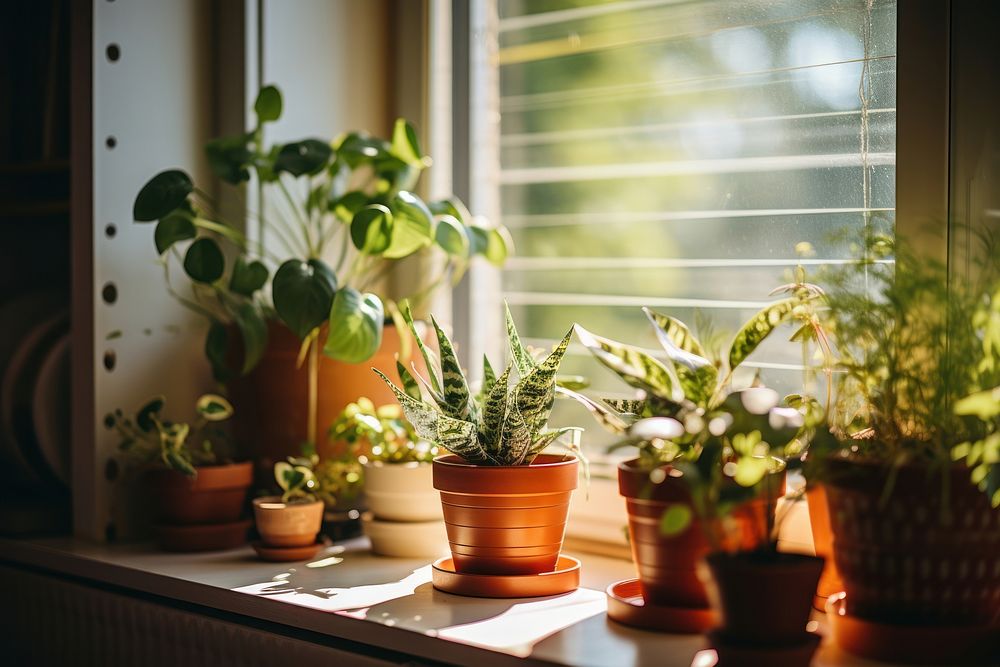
pixel 672 154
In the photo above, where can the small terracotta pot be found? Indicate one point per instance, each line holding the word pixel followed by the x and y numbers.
pixel 819 520
pixel 287 524
pixel 763 598
pixel 401 491
pixel 491 511
pixel 906 562
pixel 215 495
pixel 668 565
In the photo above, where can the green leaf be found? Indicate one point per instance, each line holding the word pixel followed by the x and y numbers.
pixel 633 365
pixel 982 404
pixel 490 243
pixel 450 235
pixel 676 331
pixel 535 392
pixel 410 385
pixel 216 344
pixel 405 145
pixel 758 328
pixel 348 205
pixel 267 106
pixel 516 434
pixel 303 294
pixel 179 463
pixel 176 226
pixel 144 416
pixel 214 408
pixel 284 475
pixel 308 156
pixel 605 415
pixel 161 195
pixel 229 158
pixel 413 228
pixel 453 207
pixel 356 322
pixel 371 229
pixel 203 261
pixel 675 519
pixel 253 331
pixel 248 277
pixel 494 409
pixel 522 358
pixel 696 374
pixel 430 358
pixel 455 388
pixel 750 470
pixel 489 377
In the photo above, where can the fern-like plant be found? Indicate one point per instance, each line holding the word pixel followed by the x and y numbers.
pixel 504 424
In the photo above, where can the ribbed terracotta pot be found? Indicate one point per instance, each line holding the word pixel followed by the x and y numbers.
pixel 505 519
pixel 215 495
pixel 668 565
pixel 283 524
pixel 914 560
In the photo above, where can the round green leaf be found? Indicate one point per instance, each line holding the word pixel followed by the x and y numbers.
pixel 144 416
pixel 413 227
pixel 247 277
pixel 214 408
pixel 204 262
pixel 371 229
pixel 356 322
pixel 175 227
pixel 405 145
pixel 253 330
pixel 216 344
pixel 450 235
pixel 229 157
pixel 161 195
pixel 675 519
pixel 268 104
pixel 308 156
pixel 453 207
pixel 345 207
pixel 303 293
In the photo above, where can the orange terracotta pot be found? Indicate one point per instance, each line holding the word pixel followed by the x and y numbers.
pixel 216 495
pixel 668 565
pixel 904 562
pixel 272 401
pixel 287 524
pixel 505 520
pixel 819 520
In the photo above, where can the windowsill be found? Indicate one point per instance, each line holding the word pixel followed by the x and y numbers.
pixel 381 602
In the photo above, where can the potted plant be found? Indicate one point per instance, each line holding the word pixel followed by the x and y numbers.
pixel 288 524
pixel 199 492
pixel 505 501
pixel 404 516
pixel 686 388
pixel 910 468
pixel 331 220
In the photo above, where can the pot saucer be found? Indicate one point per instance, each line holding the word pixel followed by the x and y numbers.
pixel 914 644
pixel 564 579
pixel 285 554
pixel 746 655
pixel 202 536
pixel 627 606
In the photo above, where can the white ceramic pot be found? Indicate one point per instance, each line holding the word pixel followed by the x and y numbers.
pixel 402 491
pixel 287 524
pixel 406 539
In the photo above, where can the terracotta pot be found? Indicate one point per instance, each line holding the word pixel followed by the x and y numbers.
pixel 819 520
pixel 215 495
pixel 903 562
pixel 401 491
pixel 762 598
pixel 507 509
pixel 668 565
pixel 287 524
pixel 272 401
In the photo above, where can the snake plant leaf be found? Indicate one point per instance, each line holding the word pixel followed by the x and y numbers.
pixel 603 414
pixel 697 374
pixel 676 331
pixel 457 397
pixel 758 328
pixel 534 393
pixel 410 386
pixel 460 437
pixel 489 379
pixel 494 409
pixel 515 434
pixel 631 406
pixel 633 365
pixel 422 415
pixel 435 395
pixel 546 438
pixel 356 323
pixel 522 358
pixel 430 359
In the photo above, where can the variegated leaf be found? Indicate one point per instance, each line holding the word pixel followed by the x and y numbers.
pixel 430 359
pixel 410 386
pixel 522 358
pixel 632 406
pixel 676 331
pixel 422 415
pixel 489 379
pixel 758 328
pixel 697 374
pixel 460 438
pixel 454 386
pixel 515 435
pixel 535 392
pixel 633 365
pixel 603 414
pixel 548 437
pixel 494 408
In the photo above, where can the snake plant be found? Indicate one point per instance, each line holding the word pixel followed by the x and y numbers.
pixel 504 424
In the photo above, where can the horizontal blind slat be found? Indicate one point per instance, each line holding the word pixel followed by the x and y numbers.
pixel 566 263
pixel 615 217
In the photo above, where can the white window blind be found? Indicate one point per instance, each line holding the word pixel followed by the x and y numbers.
pixel 672 154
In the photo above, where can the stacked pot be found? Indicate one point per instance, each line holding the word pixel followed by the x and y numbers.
pixel 405 518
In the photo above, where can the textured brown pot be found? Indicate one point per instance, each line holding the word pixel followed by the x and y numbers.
pixel 505 519
pixel 668 565
pixel 215 495
pixel 903 562
pixel 763 598
pixel 272 401
pixel 819 521
pixel 287 524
